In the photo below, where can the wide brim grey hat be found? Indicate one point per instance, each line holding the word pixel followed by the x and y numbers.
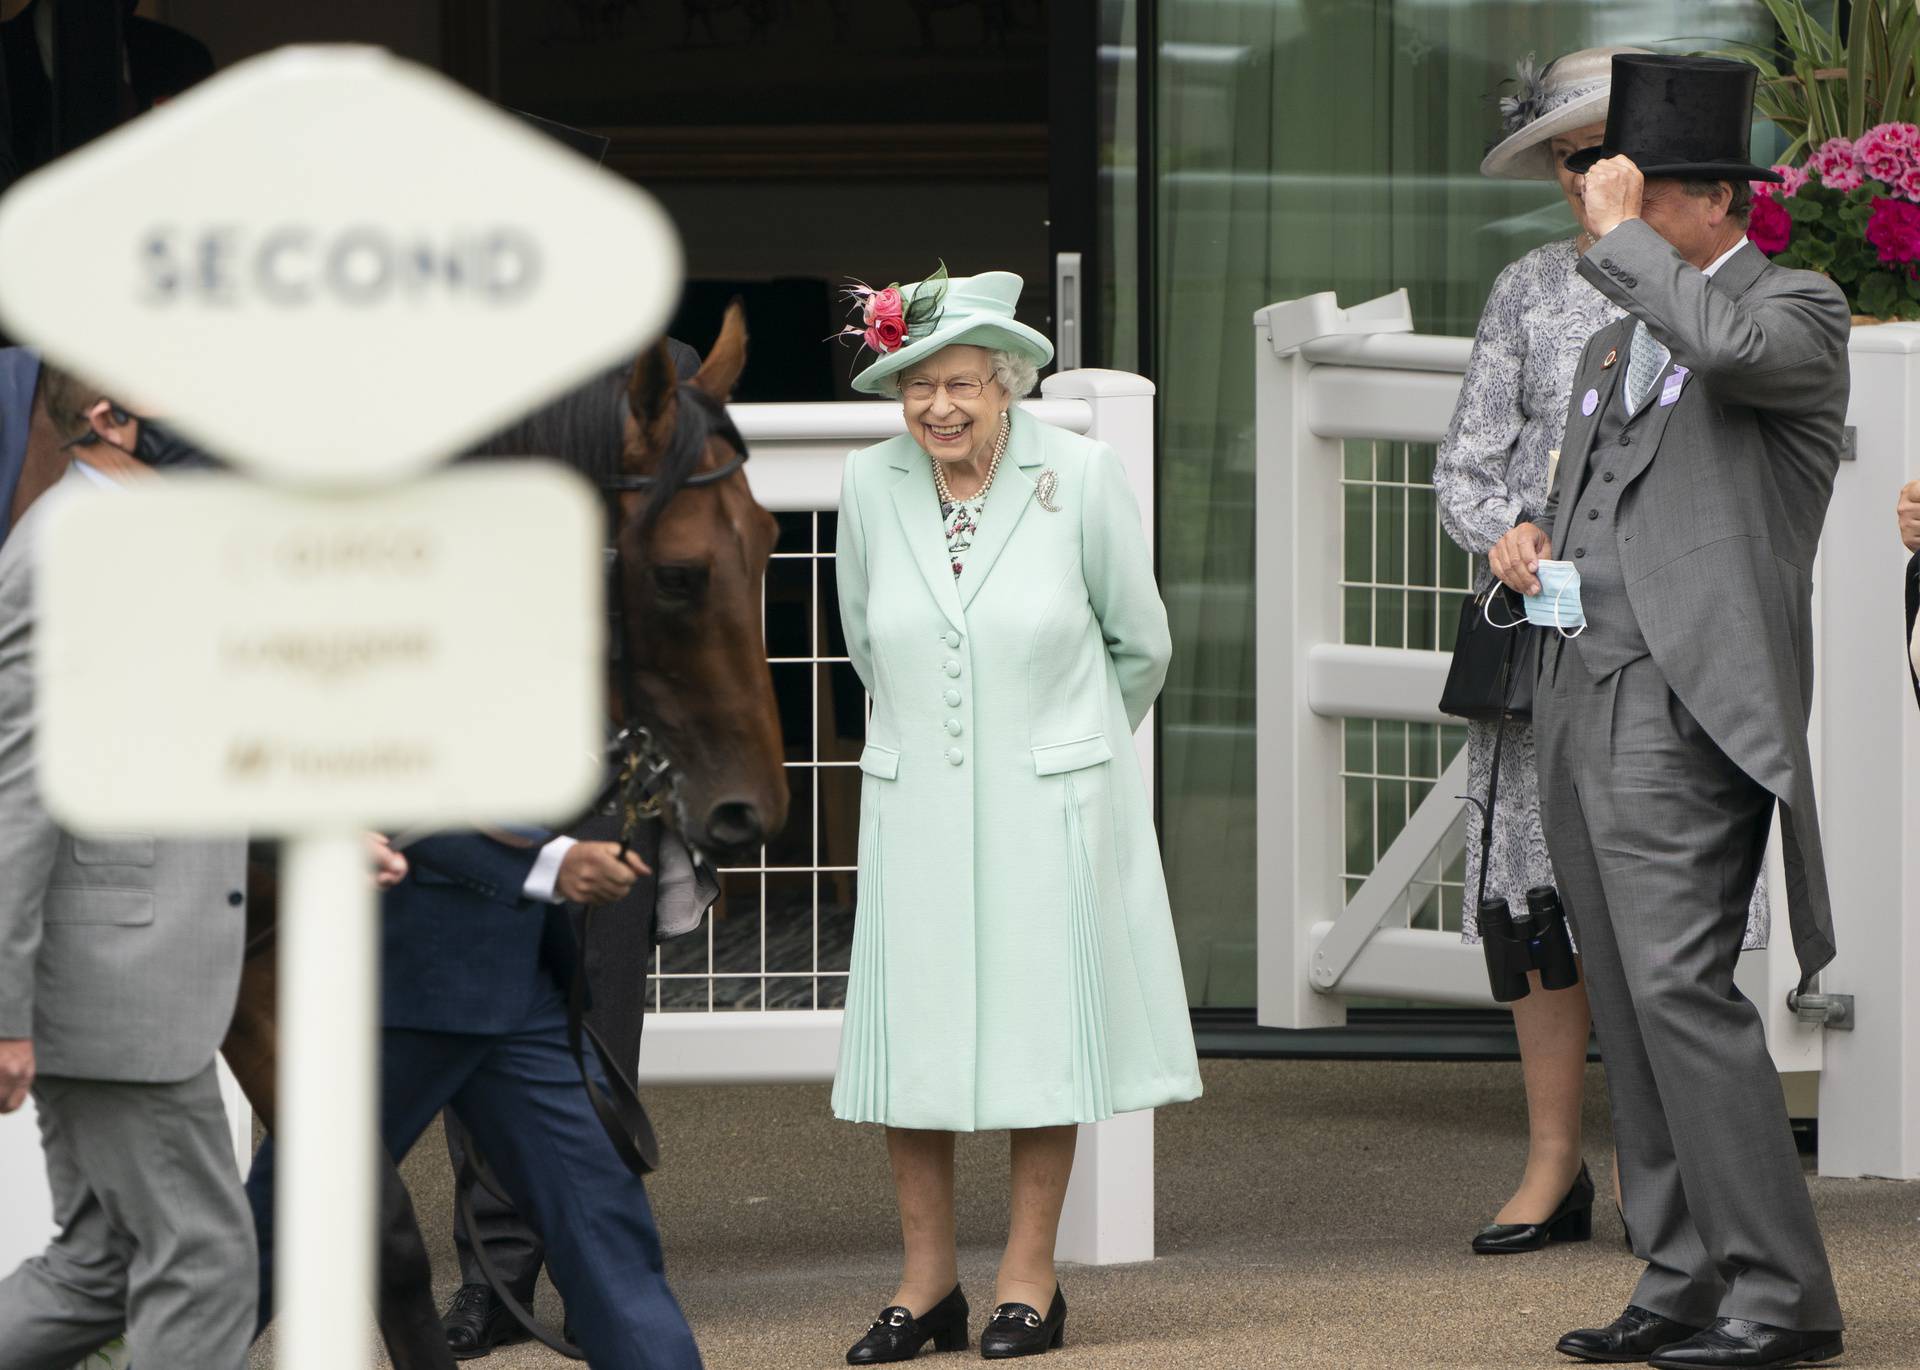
pixel 1573 92
pixel 976 310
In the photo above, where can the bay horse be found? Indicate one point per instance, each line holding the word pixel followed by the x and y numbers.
pixel 688 688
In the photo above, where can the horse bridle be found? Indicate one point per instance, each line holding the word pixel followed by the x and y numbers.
pixel 644 779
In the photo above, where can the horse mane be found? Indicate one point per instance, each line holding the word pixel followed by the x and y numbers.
pixel 586 429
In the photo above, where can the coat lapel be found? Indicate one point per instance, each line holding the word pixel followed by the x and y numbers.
pixel 918 506
pixel 1577 445
pixel 1006 505
pixel 1736 276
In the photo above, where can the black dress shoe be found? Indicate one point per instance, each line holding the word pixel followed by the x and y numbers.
pixel 897 1335
pixel 1016 1330
pixel 1633 1336
pixel 1736 1341
pixel 476 1322
pixel 1572 1221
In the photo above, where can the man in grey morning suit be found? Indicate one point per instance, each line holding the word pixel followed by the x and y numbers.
pixel 119 962
pixel 1701 448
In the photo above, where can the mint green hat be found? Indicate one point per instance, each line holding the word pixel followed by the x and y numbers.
pixel 976 310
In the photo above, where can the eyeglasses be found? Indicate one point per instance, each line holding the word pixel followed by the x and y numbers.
pixel 959 388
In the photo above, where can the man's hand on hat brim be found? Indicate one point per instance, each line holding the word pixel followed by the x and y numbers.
pixel 1611 192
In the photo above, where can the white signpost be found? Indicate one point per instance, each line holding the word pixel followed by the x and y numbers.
pixel 334 269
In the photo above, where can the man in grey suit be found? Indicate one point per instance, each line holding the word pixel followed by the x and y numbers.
pixel 1702 442
pixel 119 962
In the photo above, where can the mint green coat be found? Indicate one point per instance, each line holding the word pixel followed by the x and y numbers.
pixel 1013 955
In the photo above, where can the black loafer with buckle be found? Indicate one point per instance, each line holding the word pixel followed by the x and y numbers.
pixel 897 1335
pixel 1016 1330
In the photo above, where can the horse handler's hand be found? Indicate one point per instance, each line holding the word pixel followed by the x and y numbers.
pixel 1909 512
pixel 16 1072
pixel 596 873
pixel 1516 557
pixel 389 866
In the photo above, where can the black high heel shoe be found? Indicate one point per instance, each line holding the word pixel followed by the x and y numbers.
pixel 1016 1330
pixel 1572 1221
pixel 897 1335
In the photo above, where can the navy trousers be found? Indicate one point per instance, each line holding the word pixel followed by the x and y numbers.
pixel 519 1094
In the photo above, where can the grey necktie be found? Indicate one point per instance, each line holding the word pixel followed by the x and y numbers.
pixel 1646 359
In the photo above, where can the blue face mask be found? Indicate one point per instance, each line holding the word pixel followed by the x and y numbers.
pixel 1557 606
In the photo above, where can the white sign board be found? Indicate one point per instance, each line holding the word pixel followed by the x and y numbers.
pixel 218 656
pixel 330 265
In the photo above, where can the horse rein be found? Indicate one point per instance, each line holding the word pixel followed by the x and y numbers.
pixel 645 779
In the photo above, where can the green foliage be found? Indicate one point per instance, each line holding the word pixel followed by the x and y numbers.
pixel 1830 85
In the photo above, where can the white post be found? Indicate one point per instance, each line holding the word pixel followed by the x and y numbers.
pixel 1868 763
pixel 329 1118
pixel 1108 1217
pixel 1297 753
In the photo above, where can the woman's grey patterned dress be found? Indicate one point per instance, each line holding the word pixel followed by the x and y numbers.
pixel 1491 474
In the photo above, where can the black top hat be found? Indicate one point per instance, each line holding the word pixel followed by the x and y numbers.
pixel 1680 116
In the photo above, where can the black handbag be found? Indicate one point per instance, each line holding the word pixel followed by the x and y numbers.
pixel 1494 669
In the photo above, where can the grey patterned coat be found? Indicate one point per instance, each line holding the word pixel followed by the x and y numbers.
pixel 1492 473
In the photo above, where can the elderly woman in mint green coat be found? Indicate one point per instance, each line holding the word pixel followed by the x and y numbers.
pixel 1014 962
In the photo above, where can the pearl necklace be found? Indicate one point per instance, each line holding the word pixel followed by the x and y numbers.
pixel 999 451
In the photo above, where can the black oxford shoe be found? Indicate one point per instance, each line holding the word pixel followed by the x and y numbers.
pixel 1572 1221
pixel 1736 1341
pixel 1633 1336
pixel 897 1335
pixel 1016 1330
pixel 476 1322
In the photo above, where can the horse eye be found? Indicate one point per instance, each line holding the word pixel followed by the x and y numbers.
pixel 680 582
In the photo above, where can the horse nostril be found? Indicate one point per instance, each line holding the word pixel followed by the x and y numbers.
pixel 736 825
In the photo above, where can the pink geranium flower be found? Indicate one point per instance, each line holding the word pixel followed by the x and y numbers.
pixel 1769 226
pixel 1885 152
pixel 1894 230
pixel 1834 164
pixel 1909 185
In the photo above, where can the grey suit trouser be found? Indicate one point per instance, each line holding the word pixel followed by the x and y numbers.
pixel 1657 838
pixel 155 1238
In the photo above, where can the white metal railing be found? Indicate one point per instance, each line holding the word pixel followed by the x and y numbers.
pixel 1324 376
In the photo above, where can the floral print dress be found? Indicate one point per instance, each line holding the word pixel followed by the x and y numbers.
pixel 1493 472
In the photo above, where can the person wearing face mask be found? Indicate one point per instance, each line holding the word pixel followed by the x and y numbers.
pixel 1014 964
pixel 1493 472
pixel 1695 474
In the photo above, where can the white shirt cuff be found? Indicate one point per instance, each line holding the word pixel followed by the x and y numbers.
pixel 546 872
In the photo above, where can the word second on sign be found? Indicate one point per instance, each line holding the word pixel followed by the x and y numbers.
pixel 293 265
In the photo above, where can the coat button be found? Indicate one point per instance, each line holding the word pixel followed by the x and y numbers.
pixel 1579 552
pixel 954 756
pixel 1593 514
pixel 953 727
pixel 1608 478
pixel 952 638
pixel 1626 440
pixel 952 698
pixel 952 668
pixel 235 898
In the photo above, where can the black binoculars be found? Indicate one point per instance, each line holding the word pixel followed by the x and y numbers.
pixel 1536 938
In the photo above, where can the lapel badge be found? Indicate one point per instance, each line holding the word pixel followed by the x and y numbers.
pixel 1613 355
pixel 1045 488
